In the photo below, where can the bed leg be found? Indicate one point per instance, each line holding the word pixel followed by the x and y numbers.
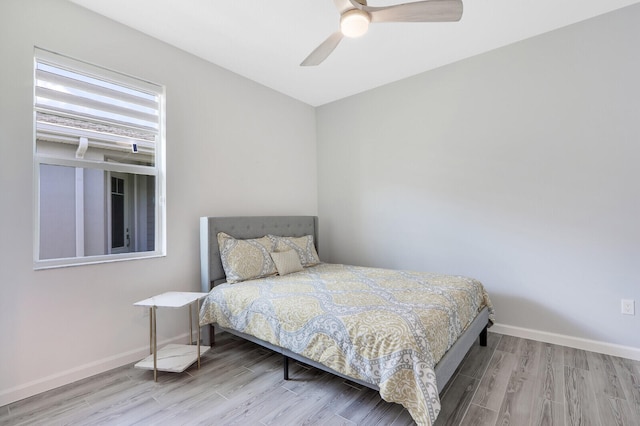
pixel 212 335
pixel 483 337
pixel 286 367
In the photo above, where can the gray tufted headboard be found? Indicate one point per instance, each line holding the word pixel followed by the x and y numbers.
pixel 242 227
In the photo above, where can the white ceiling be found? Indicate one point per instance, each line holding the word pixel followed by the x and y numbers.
pixel 265 41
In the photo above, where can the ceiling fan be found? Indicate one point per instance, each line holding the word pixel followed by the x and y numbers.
pixel 355 17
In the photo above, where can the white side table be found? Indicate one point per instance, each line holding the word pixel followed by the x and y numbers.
pixel 173 358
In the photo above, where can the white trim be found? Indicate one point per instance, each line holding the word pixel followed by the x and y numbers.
pixel 36 204
pixel 78 373
pixel 570 341
pixel 108 206
pixel 135 225
pixel 92 260
pixel 100 366
pixel 93 164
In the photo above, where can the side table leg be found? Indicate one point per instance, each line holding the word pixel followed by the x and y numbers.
pixel 150 331
pixel 190 326
pixel 198 326
pixel 155 346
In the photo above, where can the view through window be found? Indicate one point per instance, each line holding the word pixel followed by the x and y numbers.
pixel 99 164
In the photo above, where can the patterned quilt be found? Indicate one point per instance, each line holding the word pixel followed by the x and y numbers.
pixel 381 326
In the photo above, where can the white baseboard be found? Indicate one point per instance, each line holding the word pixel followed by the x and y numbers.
pixel 570 341
pixel 7 396
pixel 100 366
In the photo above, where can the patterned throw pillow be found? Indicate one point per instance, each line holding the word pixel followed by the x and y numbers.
pixel 246 259
pixel 302 245
pixel 287 262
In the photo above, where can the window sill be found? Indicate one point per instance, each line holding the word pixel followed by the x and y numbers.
pixel 93 260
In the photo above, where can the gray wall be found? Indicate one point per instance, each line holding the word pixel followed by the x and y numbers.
pixel 227 138
pixel 520 167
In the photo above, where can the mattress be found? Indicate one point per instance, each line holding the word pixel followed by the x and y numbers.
pixel 384 327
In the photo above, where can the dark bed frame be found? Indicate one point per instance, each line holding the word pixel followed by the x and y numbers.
pixel 242 227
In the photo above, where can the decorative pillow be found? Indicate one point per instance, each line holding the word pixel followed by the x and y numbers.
pixel 302 245
pixel 286 262
pixel 246 259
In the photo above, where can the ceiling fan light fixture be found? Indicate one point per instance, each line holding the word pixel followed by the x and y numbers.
pixel 354 23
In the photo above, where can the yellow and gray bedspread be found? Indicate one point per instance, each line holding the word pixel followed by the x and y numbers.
pixel 384 327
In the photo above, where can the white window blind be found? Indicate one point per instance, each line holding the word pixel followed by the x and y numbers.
pixel 112 115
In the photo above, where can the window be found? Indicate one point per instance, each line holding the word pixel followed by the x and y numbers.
pixel 98 164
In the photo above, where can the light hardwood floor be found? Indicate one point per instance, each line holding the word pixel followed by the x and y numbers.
pixel 512 381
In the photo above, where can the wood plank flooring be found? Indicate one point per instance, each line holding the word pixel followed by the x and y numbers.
pixel 511 381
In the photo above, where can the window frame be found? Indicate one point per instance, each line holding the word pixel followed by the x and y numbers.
pixel 158 170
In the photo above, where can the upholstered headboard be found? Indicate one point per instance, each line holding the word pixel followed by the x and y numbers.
pixel 242 227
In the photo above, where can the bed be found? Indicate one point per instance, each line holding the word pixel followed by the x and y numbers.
pixel 363 324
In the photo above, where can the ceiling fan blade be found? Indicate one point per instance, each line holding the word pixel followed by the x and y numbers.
pixel 419 11
pixel 323 51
